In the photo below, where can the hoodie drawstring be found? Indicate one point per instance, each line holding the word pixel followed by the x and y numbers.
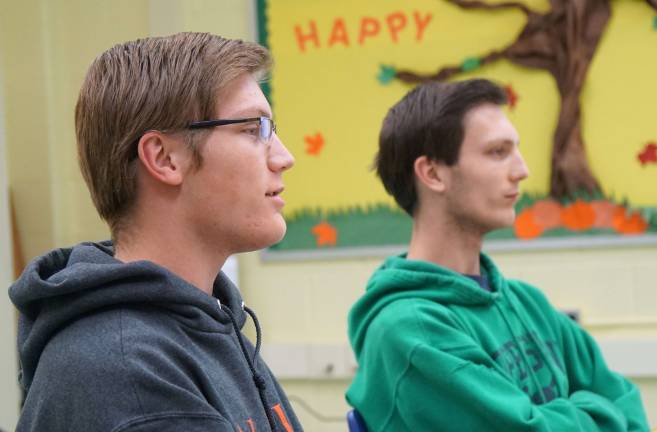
pixel 258 379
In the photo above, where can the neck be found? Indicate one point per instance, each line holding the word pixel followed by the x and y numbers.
pixel 181 254
pixel 445 242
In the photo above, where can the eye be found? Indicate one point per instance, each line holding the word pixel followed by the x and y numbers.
pixel 499 151
pixel 252 130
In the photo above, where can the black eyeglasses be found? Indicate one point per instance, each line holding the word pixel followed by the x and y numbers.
pixel 266 126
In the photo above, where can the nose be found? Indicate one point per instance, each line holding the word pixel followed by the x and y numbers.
pixel 280 159
pixel 519 170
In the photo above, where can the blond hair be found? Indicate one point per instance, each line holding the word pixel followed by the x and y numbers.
pixel 159 83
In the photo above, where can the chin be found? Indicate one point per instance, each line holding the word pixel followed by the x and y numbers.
pixel 273 233
pixel 281 234
pixel 504 221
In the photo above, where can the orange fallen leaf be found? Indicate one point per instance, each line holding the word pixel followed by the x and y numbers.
pixel 648 154
pixel 325 234
pixel 314 144
pixel 511 96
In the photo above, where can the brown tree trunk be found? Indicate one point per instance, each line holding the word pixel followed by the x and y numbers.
pixel 564 42
pixel 570 168
pixel 561 41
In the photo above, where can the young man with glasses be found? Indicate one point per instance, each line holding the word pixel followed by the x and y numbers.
pixel 143 333
pixel 444 342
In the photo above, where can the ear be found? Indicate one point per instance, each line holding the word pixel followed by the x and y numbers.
pixel 163 157
pixel 432 174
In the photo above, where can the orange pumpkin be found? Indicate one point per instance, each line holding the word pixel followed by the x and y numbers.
pixel 628 224
pixel 604 213
pixel 547 213
pixel 578 216
pixel 525 226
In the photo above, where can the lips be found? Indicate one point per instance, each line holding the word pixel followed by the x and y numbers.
pixel 275 192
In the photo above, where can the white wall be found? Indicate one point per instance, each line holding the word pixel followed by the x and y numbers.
pixel 9 396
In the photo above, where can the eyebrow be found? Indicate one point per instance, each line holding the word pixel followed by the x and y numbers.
pixel 250 112
pixel 503 141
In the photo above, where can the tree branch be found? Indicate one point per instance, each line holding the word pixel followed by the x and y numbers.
pixel 446 72
pixel 476 4
pixel 652 3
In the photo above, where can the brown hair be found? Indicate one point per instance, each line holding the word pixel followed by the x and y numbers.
pixel 159 83
pixel 428 121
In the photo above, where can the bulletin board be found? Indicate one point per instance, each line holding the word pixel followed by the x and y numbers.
pixel 339 66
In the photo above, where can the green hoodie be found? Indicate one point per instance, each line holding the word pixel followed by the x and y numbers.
pixel 436 352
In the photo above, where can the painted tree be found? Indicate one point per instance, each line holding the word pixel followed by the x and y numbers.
pixel 561 41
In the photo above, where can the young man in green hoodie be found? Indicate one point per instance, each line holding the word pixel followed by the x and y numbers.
pixel 444 342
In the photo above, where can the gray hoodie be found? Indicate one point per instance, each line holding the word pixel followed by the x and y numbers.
pixel 110 346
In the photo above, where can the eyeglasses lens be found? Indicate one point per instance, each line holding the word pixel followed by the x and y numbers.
pixel 266 128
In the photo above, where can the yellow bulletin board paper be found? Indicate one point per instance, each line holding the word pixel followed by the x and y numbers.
pixel 334 81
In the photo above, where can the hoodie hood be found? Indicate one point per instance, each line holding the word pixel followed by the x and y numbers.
pixel 400 278
pixel 442 353
pixel 64 285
